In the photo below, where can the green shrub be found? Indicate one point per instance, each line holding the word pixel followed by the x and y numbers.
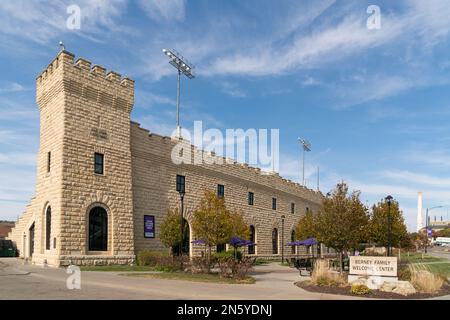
pixel 225 255
pixel 152 258
pixel 404 273
pixel 360 290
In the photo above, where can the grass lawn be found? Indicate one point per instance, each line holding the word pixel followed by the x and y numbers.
pixel 442 269
pixel 198 277
pixel 117 268
pixel 417 258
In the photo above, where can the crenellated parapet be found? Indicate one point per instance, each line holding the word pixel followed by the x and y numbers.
pixel 81 79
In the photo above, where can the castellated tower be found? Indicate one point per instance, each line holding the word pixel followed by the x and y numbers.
pixel 82 211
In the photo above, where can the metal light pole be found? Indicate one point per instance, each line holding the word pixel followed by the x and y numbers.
pixel 182 193
pixel 183 67
pixel 282 238
pixel 306 148
pixel 388 199
pixel 426 225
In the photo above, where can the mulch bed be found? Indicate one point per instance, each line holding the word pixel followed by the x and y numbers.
pixel 306 285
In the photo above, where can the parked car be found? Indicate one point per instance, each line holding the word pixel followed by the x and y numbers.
pixel 7 248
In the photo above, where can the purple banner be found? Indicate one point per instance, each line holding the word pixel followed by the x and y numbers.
pixel 149 226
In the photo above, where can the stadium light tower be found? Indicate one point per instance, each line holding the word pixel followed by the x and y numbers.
pixel 306 148
pixel 183 67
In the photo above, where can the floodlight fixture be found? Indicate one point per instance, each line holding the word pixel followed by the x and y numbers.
pixel 183 67
pixel 306 148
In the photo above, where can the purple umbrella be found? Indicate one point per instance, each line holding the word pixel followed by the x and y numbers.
pixel 309 242
pixel 199 241
pixel 239 242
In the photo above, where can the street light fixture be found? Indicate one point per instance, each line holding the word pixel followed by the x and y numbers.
pixel 183 67
pixel 306 148
pixel 426 224
pixel 388 200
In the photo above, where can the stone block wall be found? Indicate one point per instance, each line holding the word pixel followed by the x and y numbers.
pixel 154 192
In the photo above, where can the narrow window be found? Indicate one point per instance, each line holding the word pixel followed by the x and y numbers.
pixel 48 227
pixel 292 208
pixel 98 163
pixel 292 240
pixel 274 203
pixel 49 161
pixel 275 241
pixel 251 198
pixel 251 248
pixel 220 190
pixel 181 183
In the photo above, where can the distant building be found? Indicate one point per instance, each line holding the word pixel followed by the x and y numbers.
pixel 439 225
pixel 5 229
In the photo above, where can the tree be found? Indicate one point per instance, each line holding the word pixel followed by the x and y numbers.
pixel 214 223
pixel 305 227
pixel 169 233
pixel 443 233
pixel 342 221
pixel 378 225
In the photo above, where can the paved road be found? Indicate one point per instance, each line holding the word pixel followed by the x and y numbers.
pixel 440 252
pixel 20 281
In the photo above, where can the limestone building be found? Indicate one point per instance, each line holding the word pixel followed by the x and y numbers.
pixel 104 184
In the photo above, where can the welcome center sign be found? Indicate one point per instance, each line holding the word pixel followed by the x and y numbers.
pixel 373 266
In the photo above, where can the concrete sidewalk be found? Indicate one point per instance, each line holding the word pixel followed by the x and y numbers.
pixel 21 281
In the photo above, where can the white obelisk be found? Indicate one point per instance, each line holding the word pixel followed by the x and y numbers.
pixel 419 212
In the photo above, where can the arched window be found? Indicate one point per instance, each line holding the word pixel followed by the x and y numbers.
pixel 251 249
pixel 185 247
pixel 48 227
pixel 98 229
pixel 275 241
pixel 292 240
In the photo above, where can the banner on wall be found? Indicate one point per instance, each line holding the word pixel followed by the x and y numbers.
pixel 149 226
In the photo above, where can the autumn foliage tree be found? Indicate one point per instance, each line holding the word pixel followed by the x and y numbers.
pixel 214 224
pixel 378 226
pixel 170 230
pixel 305 227
pixel 342 221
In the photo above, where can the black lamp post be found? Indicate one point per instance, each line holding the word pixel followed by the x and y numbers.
pixel 282 238
pixel 388 200
pixel 182 193
pixel 427 224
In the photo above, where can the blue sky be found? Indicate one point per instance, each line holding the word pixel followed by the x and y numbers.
pixel 373 103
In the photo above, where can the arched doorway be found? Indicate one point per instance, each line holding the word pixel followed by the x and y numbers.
pixel 292 240
pixel 251 249
pixel 186 237
pixel 31 241
pixel 48 227
pixel 98 229
pixel 275 241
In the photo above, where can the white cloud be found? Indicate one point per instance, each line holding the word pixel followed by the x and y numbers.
pixel 417 178
pixel 167 10
pixel 232 89
pixel 310 81
pixel 41 21
pixel 11 87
